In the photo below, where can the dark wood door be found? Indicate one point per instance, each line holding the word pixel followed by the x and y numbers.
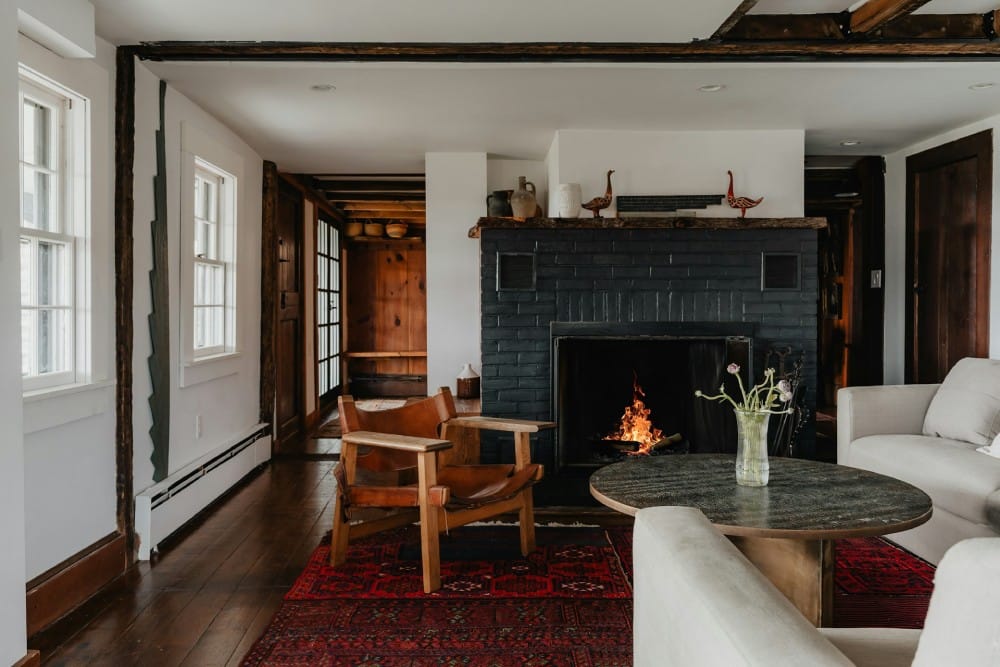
pixel 289 359
pixel 949 193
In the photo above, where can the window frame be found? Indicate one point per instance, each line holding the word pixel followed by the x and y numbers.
pixel 201 153
pixel 69 166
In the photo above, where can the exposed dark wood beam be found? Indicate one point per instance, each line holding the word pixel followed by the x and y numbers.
pixel 369 186
pixel 572 51
pixel 384 206
pixel 785 27
pixel 992 22
pixel 364 197
pixel 876 13
pixel 938 26
pixel 734 18
pixel 312 194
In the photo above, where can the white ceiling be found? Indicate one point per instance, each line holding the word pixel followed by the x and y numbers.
pixel 131 21
pixel 384 117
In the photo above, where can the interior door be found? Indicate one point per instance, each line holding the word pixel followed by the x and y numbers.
pixel 289 358
pixel 949 192
pixel 328 310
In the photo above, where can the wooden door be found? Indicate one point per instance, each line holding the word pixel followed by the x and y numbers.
pixel 289 358
pixel 949 190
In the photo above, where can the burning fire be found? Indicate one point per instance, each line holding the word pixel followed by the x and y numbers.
pixel 635 425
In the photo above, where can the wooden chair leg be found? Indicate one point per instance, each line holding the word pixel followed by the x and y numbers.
pixel 526 517
pixel 430 546
pixel 340 536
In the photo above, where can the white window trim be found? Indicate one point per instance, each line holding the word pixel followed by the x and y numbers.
pixel 75 196
pixel 207 365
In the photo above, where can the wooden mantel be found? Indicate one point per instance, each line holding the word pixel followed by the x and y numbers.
pixel 647 223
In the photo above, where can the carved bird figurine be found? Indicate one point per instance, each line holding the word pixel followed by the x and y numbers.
pixel 742 203
pixel 596 204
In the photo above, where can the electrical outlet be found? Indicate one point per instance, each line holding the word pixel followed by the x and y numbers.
pixel 876 279
pixel 197 426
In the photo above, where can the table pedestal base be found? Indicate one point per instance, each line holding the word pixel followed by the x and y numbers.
pixel 801 569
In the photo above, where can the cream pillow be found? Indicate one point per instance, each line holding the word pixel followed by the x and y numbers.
pixel 967 406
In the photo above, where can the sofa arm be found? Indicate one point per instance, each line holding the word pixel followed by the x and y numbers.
pixel 698 601
pixel 882 410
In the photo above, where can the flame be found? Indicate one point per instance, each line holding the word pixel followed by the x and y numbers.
pixel 635 425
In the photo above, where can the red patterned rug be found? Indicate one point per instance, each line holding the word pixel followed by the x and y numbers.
pixel 568 604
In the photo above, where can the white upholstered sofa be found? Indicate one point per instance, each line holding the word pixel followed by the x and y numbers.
pixel 929 435
pixel 699 602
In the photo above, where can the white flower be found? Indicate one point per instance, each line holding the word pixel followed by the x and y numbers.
pixel 698 392
pixel 786 396
pixel 785 387
pixel 733 369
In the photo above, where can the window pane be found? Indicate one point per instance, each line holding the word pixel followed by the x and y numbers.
pixel 26 281
pixel 38 204
pixel 52 269
pixel 209 285
pixel 27 341
pixel 36 140
pixel 53 335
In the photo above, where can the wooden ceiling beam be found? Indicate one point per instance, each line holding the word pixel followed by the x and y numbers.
pixel 734 18
pixel 366 197
pixel 385 206
pixel 784 27
pixel 939 26
pixel 387 215
pixel 704 51
pixel 369 186
pixel 876 13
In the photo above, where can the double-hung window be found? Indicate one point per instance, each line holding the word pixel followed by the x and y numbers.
pixel 211 270
pixel 51 171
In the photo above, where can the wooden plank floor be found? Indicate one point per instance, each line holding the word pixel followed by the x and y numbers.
pixel 213 589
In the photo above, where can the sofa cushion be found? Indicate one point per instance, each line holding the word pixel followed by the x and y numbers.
pixel 993 510
pixel 951 472
pixel 967 406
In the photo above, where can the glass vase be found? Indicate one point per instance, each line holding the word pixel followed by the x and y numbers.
pixel 752 467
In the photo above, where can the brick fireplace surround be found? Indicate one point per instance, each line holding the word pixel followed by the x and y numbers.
pixel 612 271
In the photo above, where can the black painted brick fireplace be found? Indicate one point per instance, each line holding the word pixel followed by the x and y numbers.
pixel 625 276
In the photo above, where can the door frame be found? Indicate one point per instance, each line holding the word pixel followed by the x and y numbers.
pixel 980 146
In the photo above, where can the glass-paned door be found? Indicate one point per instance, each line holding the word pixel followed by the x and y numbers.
pixel 328 308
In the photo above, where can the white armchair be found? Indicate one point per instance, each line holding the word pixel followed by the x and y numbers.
pixel 698 601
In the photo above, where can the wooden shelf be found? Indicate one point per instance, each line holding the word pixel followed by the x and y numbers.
pixel 647 223
pixel 412 240
pixel 409 354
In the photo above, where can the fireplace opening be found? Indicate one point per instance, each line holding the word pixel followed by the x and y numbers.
pixel 619 394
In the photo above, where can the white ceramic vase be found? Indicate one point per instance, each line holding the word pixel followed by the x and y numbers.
pixel 569 199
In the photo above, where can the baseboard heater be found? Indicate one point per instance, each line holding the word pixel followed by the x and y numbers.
pixel 166 506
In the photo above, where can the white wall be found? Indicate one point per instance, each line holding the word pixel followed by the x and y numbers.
pixel 765 163
pixel 70 499
pixel 228 405
pixel 895 246
pixel 456 199
pixel 64 26
pixel 12 623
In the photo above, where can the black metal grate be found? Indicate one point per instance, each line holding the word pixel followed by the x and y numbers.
pixel 515 271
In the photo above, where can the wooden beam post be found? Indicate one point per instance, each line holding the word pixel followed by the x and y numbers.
pixel 268 286
pixel 734 18
pixel 876 13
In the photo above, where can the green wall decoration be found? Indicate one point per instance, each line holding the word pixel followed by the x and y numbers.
pixel 159 316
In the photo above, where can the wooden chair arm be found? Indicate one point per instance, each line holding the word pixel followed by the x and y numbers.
pixel 403 443
pixel 501 424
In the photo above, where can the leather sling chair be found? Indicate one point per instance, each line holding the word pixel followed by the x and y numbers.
pixel 420 462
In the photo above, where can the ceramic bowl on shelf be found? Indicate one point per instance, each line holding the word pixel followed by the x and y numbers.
pixel 374 229
pixel 353 229
pixel 396 230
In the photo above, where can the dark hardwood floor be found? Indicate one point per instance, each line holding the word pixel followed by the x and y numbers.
pixel 212 590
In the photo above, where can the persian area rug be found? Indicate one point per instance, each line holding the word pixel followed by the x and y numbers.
pixel 568 604
pixel 878 584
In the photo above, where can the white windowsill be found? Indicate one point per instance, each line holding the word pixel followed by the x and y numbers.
pixel 206 369
pixel 48 408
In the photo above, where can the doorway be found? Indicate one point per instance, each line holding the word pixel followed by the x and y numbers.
pixel 328 311
pixel 948 219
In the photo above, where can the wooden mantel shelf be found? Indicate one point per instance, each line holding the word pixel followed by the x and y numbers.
pixel 647 223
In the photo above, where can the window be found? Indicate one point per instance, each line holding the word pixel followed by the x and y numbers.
pixel 210 267
pixel 328 306
pixel 53 160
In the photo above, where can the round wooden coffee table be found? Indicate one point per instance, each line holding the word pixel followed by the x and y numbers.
pixel 786 528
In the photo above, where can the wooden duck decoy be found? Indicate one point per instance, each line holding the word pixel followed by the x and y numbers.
pixel 597 204
pixel 742 203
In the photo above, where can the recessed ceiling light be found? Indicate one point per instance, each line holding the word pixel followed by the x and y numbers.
pixel 985 85
pixel 712 88
pixel 322 87
pixel 850 142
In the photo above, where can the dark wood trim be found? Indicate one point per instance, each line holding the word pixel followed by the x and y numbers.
pixel 633 52
pixel 938 26
pixel 268 281
pixel 647 223
pixel 870 315
pixel 372 186
pixel 786 27
pixel 124 245
pixel 71 583
pixel 876 13
pixel 738 14
pixel 313 195
pixel 978 145
pixel 32 659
